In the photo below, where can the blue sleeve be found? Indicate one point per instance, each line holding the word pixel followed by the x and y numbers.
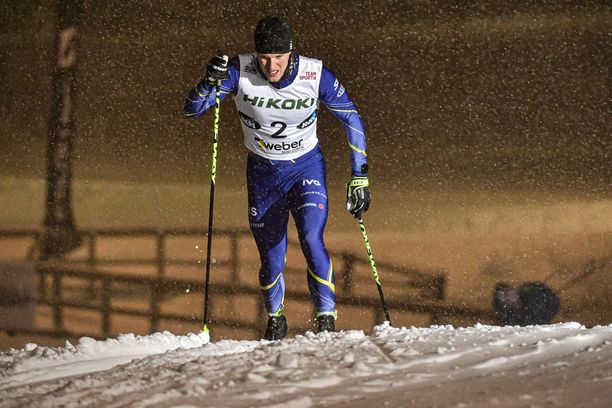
pixel 202 97
pixel 334 96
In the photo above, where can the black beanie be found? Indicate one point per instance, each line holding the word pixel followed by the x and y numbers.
pixel 273 35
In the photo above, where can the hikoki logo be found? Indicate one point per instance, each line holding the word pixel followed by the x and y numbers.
pixel 273 103
pixel 309 76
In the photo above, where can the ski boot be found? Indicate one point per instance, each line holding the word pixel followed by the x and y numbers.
pixel 277 328
pixel 326 323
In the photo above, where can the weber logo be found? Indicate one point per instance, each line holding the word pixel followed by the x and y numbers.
pixel 280 147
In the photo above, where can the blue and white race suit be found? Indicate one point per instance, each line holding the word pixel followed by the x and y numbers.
pixel 285 167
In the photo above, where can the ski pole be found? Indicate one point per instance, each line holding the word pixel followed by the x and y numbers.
pixel 373 267
pixel 213 176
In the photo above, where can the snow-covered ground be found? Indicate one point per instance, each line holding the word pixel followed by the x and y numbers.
pixel 564 365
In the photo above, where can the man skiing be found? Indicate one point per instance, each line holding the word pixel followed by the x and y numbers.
pixel 277 94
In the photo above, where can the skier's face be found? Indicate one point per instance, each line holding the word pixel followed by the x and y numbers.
pixel 273 65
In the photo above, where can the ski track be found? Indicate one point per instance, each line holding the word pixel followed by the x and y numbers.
pixel 309 370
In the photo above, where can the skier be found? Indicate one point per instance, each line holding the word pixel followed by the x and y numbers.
pixel 277 94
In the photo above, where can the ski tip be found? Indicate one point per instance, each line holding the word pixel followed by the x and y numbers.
pixel 205 329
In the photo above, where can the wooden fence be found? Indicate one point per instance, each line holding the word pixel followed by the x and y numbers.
pixel 109 288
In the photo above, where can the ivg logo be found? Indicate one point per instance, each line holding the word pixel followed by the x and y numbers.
pixel 310 182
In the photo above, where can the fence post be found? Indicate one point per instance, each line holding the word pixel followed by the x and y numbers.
pixel 91 238
pixel 234 257
pixel 262 318
pixel 154 306
pixel 58 321
pixel 106 306
pixel 435 318
pixel 161 256
pixel 31 256
pixel 438 286
pixel 91 242
pixel 42 283
pixel 348 261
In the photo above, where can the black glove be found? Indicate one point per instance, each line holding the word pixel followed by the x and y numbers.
pixel 357 196
pixel 217 69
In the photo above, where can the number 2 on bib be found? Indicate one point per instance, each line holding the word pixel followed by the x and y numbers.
pixel 278 134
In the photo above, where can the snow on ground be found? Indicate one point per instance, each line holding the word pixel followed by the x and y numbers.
pixel 565 365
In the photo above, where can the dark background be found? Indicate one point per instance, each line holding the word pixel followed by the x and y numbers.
pixel 453 94
pixel 488 127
